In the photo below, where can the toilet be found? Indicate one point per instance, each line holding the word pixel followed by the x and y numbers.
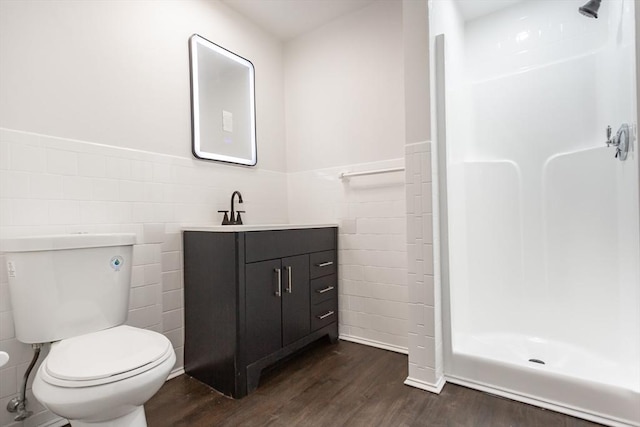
pixel 73 291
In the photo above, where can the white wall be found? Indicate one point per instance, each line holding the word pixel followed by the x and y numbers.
pixel 95 116
pixel 345 112
pixel 425 337
pixel 117 72
pixel 345 90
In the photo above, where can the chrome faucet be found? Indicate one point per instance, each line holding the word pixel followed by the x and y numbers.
pixel 233 219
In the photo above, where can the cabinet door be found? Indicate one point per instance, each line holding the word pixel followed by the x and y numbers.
pixel 295 299
pixel 263 309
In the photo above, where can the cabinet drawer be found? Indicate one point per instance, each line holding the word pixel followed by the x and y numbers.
pixel 272 244
pixel 324 314
pixel 323 288
pixel 323 264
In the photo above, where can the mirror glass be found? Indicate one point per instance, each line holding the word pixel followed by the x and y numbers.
pixel 222 104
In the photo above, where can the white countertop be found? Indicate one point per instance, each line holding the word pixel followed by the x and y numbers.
pixel 252 227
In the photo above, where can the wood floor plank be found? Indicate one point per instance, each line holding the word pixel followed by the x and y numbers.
pixel 343 384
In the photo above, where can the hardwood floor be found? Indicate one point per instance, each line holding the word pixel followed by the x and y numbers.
pixel 343 384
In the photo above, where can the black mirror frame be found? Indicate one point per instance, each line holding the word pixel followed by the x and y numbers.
pixel 195 143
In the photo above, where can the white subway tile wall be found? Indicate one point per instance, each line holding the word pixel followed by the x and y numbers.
pixel 424 334
pixel 53 185
pixel 372 249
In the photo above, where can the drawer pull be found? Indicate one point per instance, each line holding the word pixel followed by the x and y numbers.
pixel 327 289
pixel 327 314
pixel 325 264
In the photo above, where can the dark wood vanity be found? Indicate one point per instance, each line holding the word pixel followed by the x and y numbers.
pixel 254 297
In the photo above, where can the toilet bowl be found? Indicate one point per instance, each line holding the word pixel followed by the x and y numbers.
pixel 104 378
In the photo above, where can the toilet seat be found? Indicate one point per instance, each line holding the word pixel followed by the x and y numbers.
pixel 104 357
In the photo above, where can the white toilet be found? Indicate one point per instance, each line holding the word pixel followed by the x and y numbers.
pixel 73 291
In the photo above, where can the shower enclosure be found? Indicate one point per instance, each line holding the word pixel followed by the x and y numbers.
pixel 542 302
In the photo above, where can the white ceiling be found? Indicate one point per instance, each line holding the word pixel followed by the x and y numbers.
pixel 287 19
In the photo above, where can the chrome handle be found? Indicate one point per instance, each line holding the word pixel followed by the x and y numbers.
pixel 325 264
pixel 622 149
pixel 327 314
pixel 327 289
pixel 620 141
pixel 279 273
pixel 289 285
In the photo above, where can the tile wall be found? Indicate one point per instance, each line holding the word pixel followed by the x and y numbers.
pixel 52 185
pixel 424 333
pixel 370 211
pixel 424 336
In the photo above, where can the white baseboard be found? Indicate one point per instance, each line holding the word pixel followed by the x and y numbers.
pixel 433 388
pixel 373 343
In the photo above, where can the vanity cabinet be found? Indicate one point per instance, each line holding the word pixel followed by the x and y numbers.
pixel 253 298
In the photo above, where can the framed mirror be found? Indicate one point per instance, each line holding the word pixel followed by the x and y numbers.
pixel 223 118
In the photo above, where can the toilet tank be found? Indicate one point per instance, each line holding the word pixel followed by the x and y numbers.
pixel 67 285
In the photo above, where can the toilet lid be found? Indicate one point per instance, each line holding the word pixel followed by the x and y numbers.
pixel 105 354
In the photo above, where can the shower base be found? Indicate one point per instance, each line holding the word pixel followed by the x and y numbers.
pixel 549 374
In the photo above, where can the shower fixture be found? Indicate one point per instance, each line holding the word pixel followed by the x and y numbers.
pixel 620 141
pixel 590 9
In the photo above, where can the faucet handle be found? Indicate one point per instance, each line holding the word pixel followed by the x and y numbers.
pixel 238 220
pixel 225 220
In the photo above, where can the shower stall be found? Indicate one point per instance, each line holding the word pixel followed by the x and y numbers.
pixel 541 254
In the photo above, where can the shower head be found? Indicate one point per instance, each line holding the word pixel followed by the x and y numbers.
pixel 590 9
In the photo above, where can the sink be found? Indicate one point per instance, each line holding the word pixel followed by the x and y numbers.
pixel 251 227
